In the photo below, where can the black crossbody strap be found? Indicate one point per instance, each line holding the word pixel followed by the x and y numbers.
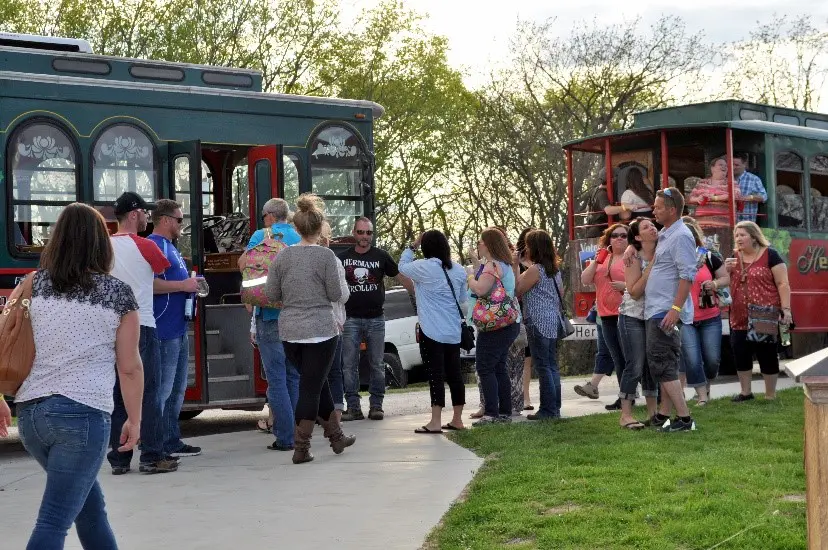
pixel 558 292
pixel 454 295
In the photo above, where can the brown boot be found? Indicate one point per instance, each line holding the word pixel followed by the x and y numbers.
pixel 301 441
pixel 333 431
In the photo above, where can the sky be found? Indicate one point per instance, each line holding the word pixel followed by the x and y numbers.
pixel 479 30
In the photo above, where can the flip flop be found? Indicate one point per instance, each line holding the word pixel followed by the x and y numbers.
pixel 424 430
pixel 528 408
pixel 263 426
pixel 452 427
pixel 701 403
pixel 633 426
pixel 476 415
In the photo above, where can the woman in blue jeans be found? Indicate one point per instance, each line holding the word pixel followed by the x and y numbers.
pixel 542 292
pixel 492 346
pixel 701 341
pixel 84 323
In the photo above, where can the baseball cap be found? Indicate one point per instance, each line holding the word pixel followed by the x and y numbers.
pixel 130 201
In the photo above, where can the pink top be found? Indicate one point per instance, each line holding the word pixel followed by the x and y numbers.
pixel 704 191
pixel 607 298
pixel 700 314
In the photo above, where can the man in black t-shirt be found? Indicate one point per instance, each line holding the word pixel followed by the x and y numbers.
pixel 365 268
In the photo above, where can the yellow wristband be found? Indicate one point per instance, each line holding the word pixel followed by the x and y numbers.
pixel 676 308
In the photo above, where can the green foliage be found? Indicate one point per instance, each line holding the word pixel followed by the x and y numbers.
pixel 584 483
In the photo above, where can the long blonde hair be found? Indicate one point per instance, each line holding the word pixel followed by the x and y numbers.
pixel 695 229
pixel 754 231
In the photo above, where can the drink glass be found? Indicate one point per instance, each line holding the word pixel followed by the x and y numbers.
pixel 203 287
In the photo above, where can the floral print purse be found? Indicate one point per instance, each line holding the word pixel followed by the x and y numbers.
pixel 496 310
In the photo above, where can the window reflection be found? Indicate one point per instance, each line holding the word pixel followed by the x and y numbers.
pixel 123 159
pixel 790 204
pixel 337 175
pixel 819 193
pixel 44 176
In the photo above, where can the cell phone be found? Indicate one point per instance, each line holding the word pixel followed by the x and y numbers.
pixel 601 255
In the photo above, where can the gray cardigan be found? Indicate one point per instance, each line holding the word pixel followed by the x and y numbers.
pixel 306 280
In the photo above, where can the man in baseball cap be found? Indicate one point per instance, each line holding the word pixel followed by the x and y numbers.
pixel 130 201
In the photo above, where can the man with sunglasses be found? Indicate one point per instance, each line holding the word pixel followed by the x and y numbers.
pixel 137 260
pixel 171 289
pixel 667 306
pixel 366 267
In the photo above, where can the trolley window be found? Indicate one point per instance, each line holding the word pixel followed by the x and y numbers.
pixel 44 176
pixel 819 193
pixel 790 204
pixel 337 176
pixel 123 159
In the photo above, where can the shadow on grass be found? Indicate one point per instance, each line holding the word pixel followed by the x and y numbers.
pixel 584 483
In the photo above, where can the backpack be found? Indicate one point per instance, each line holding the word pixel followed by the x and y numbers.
pixel 257 264
pixel 17 349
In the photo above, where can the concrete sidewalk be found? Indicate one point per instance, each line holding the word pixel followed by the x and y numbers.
pixel 386 492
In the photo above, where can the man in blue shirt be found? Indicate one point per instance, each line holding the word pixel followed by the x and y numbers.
pixel 750 187
pixel 282 376
pixel 667 306
pixel 171 289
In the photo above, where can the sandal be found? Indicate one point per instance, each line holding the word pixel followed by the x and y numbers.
pixel 477 414
pixel 701 403
pixel 635 425
pixel 425 430
pixel 264 426
pixel 451 427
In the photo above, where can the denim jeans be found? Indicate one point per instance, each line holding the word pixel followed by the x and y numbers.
pixel 282 380
pixel 633 337
pixel 491 352
pixel 174 354
pixel 701 351
pixel 373 332
pixel 609 330
pixel 335 381
pixel 69 441
pixel 603 359
pixel 152 407
pixel 545 359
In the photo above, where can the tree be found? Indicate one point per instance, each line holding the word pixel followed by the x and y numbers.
pixel 561 89
pixel 782 63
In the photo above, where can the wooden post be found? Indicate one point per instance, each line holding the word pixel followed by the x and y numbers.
pixel 812 371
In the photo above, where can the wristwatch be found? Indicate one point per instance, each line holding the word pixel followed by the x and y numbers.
pixel 412 247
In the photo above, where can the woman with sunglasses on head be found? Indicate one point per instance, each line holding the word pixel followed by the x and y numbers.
pixel 607 273
pixel 701 340
pixel 495 281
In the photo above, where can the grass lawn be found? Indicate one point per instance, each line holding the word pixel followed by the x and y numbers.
pixel 583 483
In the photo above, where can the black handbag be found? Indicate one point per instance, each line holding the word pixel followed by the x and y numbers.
pixel 568 329
pixel 466 332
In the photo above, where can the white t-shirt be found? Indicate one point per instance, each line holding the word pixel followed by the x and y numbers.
pixel 74 337
pixel 639 204
pixel 137 260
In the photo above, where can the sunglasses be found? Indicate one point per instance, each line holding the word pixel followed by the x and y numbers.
pixel 618 235
pixel 364 232
pixel 179 220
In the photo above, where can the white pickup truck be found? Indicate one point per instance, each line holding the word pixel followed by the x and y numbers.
pixel 402 352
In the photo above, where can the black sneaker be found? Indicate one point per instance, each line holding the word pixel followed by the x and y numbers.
pixel 615 406
pixel 503 419
pixel 679 425
pixel 186 450
pixel 352 414
pixel 739 398
pixel 375 413
pixel 161 467
pixel 120 470
pixel 657 422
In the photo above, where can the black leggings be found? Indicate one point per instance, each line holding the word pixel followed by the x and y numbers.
pixel 313 361
pixel 744 350
pixel 443 362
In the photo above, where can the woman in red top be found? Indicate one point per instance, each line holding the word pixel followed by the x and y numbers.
pixel 701 341
pixel 711 195
pixel 759 276
pixel 607 273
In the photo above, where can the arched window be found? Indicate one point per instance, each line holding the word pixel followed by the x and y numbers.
pixel 44 179
pixel 790 204
pixel 123 159
pixel 819 193
pixel 336 157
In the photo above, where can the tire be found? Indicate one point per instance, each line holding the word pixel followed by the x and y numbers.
pixel 395 375
pixel 188 415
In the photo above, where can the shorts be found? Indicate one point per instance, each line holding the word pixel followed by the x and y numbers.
pixel 663 352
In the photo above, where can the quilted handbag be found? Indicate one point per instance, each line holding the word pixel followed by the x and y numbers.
pixel 257 262
pixel 495 311
pixel 17 349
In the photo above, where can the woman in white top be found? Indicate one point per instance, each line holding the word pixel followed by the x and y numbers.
pixel 84 322
pixel 637 200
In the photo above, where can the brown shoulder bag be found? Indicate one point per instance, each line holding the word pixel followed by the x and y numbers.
pixel 17 349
